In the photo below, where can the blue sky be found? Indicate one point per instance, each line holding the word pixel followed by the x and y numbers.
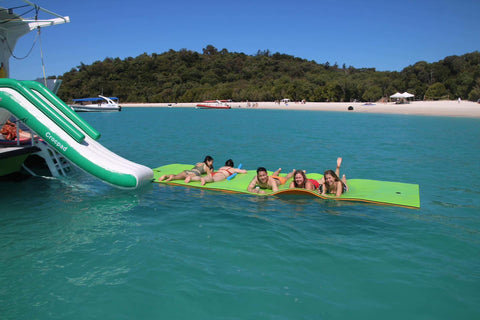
pixel 381 34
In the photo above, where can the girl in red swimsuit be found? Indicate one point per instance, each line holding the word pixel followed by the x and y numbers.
pixel 301 181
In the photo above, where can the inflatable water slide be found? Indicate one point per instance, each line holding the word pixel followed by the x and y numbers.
pixel 68 134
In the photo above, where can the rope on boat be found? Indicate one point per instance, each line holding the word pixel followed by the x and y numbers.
pixel 28 53
pixel 37 38
pixel 36 8
pixel 41 57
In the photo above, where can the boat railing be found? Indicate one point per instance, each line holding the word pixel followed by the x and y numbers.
pixel 18 141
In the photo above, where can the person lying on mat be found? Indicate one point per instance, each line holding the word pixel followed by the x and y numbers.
pixel 200 168
pixel 223 173
pixel 337 172
pixel 332 184
pixel 262 181
pixel 301 181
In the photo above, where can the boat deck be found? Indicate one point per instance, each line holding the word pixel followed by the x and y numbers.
pixel 14 151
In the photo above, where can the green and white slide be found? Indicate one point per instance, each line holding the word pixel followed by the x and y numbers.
pixel 59 126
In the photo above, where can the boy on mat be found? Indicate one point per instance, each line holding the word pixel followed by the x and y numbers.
pixel 262 181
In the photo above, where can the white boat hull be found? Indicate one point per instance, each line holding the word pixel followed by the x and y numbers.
pixel 96 108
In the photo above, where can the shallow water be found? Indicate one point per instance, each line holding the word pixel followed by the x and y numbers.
pixel 77 248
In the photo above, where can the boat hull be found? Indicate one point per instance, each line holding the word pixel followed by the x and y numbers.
pixel 12 158
pixel 96 108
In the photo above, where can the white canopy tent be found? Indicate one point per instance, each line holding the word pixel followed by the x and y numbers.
pixel 397 95
pixel 404 95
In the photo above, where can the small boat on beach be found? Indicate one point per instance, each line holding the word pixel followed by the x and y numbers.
pixel 214 104
pixel 98 104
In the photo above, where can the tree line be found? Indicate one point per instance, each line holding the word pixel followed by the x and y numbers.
pixel 189 76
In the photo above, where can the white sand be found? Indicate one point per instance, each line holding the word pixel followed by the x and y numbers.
pixel 433 108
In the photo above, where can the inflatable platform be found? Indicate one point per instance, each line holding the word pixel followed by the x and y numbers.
pixel 68 134
pixel 372 191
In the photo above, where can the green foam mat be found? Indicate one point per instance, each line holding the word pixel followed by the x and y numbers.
pixel 363 190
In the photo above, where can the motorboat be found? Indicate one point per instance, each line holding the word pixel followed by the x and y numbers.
pixel 98 104
pixel 214 104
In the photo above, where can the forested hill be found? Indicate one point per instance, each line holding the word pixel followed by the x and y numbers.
pixel 188 76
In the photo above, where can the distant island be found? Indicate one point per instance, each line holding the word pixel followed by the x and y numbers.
pixel 187 76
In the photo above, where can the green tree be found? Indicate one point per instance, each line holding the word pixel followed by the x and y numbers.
pixel 436 91
pixel 372 94
pixel 191 76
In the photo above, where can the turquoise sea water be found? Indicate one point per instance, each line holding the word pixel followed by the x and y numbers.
pixel 80 249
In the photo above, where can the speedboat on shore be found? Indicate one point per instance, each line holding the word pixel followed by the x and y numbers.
pixel 99 104
pixel 214 104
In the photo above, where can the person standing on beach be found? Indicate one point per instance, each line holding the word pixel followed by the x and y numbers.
pixel 263 181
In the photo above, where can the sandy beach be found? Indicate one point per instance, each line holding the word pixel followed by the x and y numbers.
pixel 449 108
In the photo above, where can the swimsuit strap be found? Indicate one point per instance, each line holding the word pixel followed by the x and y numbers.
pixel 226 173
pixel 200 168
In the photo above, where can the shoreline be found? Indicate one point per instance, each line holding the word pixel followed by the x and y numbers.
pixel 445 108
